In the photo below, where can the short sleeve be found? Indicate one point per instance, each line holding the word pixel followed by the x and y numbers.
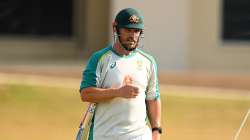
pixel 89 76
pixel 153 92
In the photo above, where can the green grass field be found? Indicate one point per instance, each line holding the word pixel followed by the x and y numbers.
pixel 53 113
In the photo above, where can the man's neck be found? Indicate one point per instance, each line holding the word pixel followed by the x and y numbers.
pixel 120 50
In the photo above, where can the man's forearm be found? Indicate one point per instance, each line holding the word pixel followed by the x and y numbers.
pixel 154 112
pixel 95 95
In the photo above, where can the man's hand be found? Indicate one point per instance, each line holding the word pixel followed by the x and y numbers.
pixel 155 135
pixel 128 90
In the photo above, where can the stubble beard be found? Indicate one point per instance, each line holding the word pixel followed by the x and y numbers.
pixel 129 46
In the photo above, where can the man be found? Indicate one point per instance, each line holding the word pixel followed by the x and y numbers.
pixel 122 80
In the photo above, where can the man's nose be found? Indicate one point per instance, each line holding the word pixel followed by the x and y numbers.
pixel 133 34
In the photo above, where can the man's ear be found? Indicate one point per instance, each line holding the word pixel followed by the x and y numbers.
pixel 114 25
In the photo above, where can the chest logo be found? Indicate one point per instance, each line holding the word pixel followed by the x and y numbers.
pixel 112 65
pixel 139 65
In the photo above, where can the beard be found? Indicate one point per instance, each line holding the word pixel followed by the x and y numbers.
pixel 129 45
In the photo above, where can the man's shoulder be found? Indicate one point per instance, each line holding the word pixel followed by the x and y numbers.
pixel 146 55
pixel 100 53
pixel 104 50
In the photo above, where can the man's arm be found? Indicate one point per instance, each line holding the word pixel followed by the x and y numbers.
pixel 96 95
pixel 154 114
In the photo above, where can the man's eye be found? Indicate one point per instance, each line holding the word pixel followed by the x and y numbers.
pixel 137 31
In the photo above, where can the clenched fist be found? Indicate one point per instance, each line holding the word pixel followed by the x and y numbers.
pixel 128 90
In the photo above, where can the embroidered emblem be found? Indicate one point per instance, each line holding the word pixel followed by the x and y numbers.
pixel 139 65
pixel 133 19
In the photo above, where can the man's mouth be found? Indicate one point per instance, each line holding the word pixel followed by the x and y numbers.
pixel 131 42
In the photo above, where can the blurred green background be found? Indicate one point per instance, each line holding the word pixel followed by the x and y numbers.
pixel 54 112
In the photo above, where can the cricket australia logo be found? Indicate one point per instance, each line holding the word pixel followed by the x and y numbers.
pixel 112 65
pixel 139 65
pixel 134 19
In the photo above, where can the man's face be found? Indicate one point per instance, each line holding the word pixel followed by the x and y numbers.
pixel 129 37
